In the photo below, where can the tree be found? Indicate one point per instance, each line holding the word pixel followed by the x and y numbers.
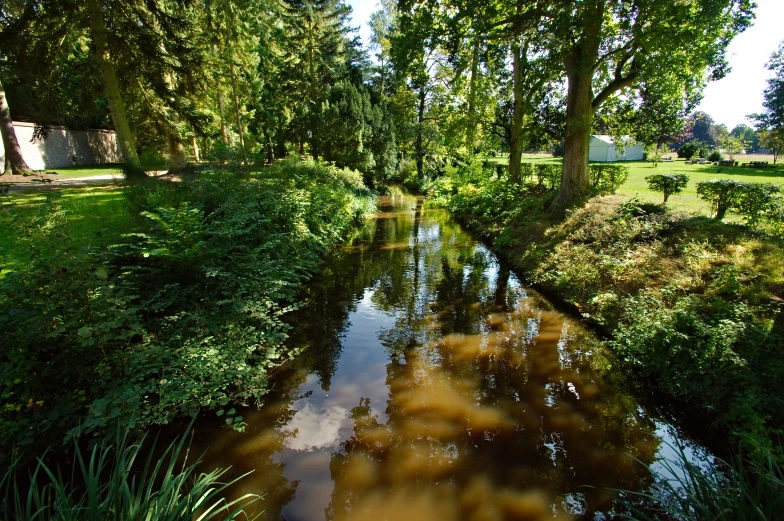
pixel 14 161
pixel 770 122
pixel 668 184
pixel 746 134
pixel 610 47
pixel 773 140
pixel 111 86
pixel 732 146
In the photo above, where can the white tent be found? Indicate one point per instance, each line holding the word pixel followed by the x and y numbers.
pixel 602 148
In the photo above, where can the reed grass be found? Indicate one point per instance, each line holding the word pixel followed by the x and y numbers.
pixel 104 484
pixel 747 488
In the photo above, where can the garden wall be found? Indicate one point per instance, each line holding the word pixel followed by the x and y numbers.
pixel 63 147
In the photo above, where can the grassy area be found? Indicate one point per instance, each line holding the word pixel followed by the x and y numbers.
pixel 636 186
pixel 92 218
pixel 70 172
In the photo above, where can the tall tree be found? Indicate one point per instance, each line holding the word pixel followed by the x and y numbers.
pixel 316 59
pixel 770 122
pixel 111 88
pixel 14 161
pixel 607 47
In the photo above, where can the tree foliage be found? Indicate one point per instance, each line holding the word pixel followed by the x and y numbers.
pixel 667 184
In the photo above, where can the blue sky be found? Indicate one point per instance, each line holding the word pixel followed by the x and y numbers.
pixel 728 100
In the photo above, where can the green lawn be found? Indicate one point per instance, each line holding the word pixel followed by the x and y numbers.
pixel 70 172
pixel 636 186
pixel 92 218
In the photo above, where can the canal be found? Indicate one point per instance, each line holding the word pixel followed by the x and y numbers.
pixel 433 385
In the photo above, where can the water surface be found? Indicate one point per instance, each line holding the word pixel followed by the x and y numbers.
pixel 434 386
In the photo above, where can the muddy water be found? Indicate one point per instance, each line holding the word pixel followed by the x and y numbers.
pixel 434 386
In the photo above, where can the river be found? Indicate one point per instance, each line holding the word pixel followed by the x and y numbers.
pixel 433 385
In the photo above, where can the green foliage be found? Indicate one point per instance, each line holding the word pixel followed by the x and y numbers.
pixel 747 488
pixel 751 200
pixel 706 348
pixel 185 313
pixel 715 156
pixel 668 184
pixel 692 148
pixel 606 179
pixel 113 488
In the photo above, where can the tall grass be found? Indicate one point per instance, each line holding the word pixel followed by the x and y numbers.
pixel 749 488
pixel 105 485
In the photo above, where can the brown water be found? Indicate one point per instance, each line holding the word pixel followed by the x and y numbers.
pixel 434 386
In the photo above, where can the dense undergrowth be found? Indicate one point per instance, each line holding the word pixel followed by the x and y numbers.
pixel 691 304
pixel 183 312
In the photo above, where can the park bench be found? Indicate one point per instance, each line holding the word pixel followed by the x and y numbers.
pixel 756 164
pixel 728 162
pixel 666 160
pixel 698 161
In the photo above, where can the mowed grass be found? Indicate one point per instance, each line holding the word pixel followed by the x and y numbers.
pixel 70 172
pixel 90 219
pixel 636 186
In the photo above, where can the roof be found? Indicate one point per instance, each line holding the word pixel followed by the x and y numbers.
pixel 610 141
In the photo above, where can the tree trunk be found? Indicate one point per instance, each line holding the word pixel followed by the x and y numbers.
pixel 237 109
pixel 196 150
pixel 14 161
pixel 471 130
pixel 111 87
pixel 579 110
pixel 177 159
pixel 224 135
pixel 420 144
pixel 515 142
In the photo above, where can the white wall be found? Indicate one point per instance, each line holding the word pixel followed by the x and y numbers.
pixel 598 150
pixel 603 152
pixel 65 147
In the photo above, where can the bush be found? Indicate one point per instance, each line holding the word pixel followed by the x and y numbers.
pixel 184 314
pixel 668 184
pixel 715 156
pixel 692 148
pixel 706 349
pixel 751 200
pixel 606 179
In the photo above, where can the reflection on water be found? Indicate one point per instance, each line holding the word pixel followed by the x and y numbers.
pixel 434 386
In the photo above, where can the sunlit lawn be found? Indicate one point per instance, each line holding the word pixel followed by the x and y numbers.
pixel 70 172
pixel 636 186
pixel 94 218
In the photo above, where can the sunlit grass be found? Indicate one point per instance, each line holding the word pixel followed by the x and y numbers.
pixel 94 218
pixel 70 172
pixel 636 186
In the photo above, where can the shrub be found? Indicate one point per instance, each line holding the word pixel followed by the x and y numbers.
pixel 751 200
pixel 722 194
pixel 606 179
pixel 668 184
pixel 755 200
pixel 706 349
pixel 716 155
pixel 689 149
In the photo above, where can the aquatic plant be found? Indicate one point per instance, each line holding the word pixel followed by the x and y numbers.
pixel 104 484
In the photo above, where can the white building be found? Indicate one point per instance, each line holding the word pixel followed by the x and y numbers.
pixel 602 148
